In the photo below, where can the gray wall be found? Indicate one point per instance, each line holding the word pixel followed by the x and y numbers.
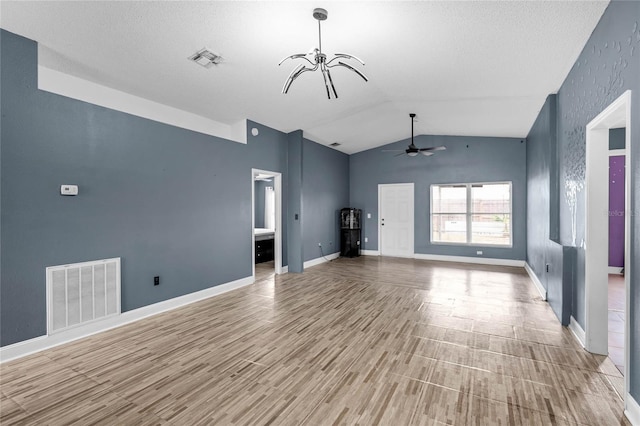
pixel 467 159
pixel 543 251
pixel 294 212
pixel 169 201
pixel 260 186
pixel 608 65
pixel 325 174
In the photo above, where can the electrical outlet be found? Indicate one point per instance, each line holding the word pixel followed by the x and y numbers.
pixel 479 252
pixel 366 240
pixel 156 280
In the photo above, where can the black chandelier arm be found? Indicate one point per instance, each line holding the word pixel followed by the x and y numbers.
pixel 297 56
pixel 342 64
pixel 345 56
pixel 295 74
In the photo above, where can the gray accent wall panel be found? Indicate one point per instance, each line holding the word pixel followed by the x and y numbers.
pixel 467 159
pixel 169 201
pixel 608 66
pixel 540 148
pixel 326 190
pixel 294 212
pixel 550 261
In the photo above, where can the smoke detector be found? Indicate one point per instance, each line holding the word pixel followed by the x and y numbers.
pixel 206 58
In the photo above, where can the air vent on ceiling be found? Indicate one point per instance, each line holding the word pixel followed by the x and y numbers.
pixel 335 144
pixel 206 58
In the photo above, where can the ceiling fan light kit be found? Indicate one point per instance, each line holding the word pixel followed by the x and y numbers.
pixel 412 150
pixel 319 61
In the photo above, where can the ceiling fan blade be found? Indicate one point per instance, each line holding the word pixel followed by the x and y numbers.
pixel 398 155
pixel 426 153
pixel 434 148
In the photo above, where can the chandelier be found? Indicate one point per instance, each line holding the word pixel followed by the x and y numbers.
pixel 320 62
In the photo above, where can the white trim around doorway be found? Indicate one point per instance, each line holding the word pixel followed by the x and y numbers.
pixel 616 115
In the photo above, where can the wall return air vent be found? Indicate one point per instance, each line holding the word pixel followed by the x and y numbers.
pixel 206 58
pixel 82 292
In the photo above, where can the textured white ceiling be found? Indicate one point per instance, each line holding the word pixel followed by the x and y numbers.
pixel 466 68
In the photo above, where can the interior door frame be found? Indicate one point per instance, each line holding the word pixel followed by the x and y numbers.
pixel 616 115
pixel 412 233
pixel 277 240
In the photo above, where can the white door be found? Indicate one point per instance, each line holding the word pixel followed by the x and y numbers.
pixel 395 227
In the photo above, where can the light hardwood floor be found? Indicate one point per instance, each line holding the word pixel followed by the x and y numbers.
pixel 362 341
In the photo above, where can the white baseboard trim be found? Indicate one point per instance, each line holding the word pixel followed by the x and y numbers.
pixel 73 87
pixel 615 270
pixel 577 331
pixel 536 281
pixel 285 269
pixel 632 410
pixel 37 344
pixel 370 252
pixel 319 260
pixel 477 260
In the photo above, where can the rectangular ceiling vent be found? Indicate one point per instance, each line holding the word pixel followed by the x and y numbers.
pixel 335 144
pixel 206 58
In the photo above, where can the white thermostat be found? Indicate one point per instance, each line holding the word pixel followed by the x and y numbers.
pixel 69 190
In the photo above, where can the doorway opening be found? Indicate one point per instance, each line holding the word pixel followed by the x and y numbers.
pixel 616 115
pixel 266 223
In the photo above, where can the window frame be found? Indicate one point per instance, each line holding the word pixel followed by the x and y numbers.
pixel 469 214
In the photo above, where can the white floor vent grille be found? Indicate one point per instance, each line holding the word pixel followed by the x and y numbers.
pixel 82 292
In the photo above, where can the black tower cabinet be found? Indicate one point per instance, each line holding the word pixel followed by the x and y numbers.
pixel 350 232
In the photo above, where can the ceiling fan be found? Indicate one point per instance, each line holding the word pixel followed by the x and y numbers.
pixel 413 150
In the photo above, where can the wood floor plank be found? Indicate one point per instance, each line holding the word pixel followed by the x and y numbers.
pixel 366 341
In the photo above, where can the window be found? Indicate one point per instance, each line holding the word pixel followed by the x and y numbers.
pixel 471 214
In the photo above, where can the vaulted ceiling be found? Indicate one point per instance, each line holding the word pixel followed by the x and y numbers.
pixel 465 67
